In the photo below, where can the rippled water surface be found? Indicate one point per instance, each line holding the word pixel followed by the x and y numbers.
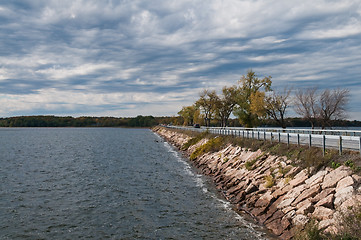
pixel 99 183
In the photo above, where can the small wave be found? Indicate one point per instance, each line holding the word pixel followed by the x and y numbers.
pixel 200 182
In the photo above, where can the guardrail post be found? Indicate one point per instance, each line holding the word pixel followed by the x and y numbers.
pixel 247 134
pixel 257 135
pixel 252 134
pixel 243 133
pixel 310 140
pixel 279 137
pixel 323 145
pixel 264 135
pixel 288 139
pixel 340 145
pixel 298 139
pixel 271 136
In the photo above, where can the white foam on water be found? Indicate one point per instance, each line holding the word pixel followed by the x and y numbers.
pixel 228 207
pixel 222 203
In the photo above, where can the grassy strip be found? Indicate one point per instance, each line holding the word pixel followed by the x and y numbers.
pixel 213 145
pixel 194 140
pixel 303 156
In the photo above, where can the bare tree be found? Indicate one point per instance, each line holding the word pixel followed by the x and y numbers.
pixel 277 104
pixel 332 105
pixel 306 105
pixel 207 103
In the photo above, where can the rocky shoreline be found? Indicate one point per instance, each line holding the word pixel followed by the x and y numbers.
pixel 277 194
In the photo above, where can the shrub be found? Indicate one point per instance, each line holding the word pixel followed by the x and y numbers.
pixel 212 145
pixel 335 165
pixel 250 164
pixel 310 232
pixel 350 223
pixel 194 140
pixel 270 181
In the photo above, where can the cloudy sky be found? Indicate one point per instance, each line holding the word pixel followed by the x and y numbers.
pixel 132 57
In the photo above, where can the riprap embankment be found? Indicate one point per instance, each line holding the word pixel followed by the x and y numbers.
pixel 276 193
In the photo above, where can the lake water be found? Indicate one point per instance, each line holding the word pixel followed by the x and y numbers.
pixel 107 183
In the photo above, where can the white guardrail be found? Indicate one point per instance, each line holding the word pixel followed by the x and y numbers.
pixel 337 139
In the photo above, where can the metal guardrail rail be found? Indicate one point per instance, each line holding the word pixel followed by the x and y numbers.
pixel 336 139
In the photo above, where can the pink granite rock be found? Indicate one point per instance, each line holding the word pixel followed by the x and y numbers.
pixel 323 194
pixel 299 178
pixel 332 178
pixel 316 178
pixel 342 195
pixel 326 223
pixel 265 200
pixel 305 207
pixel 345 182
pixel 326 202
pixel 309 193
pixel 322 213
pixel 300 220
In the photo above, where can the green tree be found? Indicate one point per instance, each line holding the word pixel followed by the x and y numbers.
pixel 249 91
pixel 226 103
pixel 188 114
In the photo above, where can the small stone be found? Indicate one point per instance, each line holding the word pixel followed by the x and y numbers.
pixel 264 200
pixel 295 192
pixel 286 203
pixel 258 211
pixel 293 172
pixel 275 226
pixel 326 223
pixel 282 191
pixel 288 209
pixel 300 220
pixel 285 223
pixel 290 214
pixel 350 203
pixel 332 230
pixel 326 202
pixel 345 182
pixel 277 215
pixel 357 178
pixel 323 194
pixel 251 188
pixel 322 213
pixel 287 235
pixel 305 207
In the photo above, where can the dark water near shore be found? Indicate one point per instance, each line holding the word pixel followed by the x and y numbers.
pixel 106 183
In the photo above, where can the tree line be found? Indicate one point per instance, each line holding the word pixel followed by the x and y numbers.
pixel 55 121
pixel 254 102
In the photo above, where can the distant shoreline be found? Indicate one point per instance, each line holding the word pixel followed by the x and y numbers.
pixel 140 121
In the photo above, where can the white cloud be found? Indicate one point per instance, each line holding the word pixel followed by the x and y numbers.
pixel 103 53
pixel 64 73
